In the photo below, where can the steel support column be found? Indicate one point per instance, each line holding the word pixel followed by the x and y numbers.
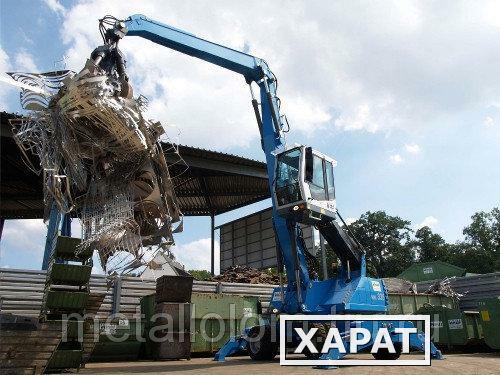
pixel 323 256
pixel 52 230
pixel 57 221
pixel 212 243
pixel 117 295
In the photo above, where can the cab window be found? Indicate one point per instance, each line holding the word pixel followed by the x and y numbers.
pixel 317 185
pixel 287 177
pixel 330 182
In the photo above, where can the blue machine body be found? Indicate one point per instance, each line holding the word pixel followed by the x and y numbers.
pixel 360 294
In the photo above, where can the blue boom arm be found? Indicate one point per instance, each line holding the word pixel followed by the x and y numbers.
pixel 349 292
pixel 270 126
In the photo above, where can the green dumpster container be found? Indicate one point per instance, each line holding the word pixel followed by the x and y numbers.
pixel 218 317
pixel 67 355
pixel 410 303
pixel 66 248
pixel 116 351
pixel 118 341
pixel 65 359
pixel 214 319
pixel 474 326
pixel 431 271
pixel 69 274
pixel 452 327
pixel 148 307
pixel 489 310
pixel 66 300
pixel 121 331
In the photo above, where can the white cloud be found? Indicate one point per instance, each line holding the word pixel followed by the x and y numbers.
pixel 400 70
pixel 429 221
pixel 350 220
pixel 5 89
pixel 488 121
pixel 412 148
pixel 396 159
pixel 305 113
pixel 4 61
pixel 362 118
pixel 23 61
pixel 24 238
pixel 196 254
pixel 55 6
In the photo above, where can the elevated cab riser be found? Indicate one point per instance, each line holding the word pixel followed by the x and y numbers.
pixel 337 296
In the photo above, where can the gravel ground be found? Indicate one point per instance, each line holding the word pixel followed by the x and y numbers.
pixel 480 363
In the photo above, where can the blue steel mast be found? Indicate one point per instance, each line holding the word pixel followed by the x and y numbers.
pixel 270 126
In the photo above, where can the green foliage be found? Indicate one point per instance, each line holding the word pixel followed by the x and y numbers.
pixel 331 261
pixel 386 240
pixel 484 231
pixel 390 247
pixel 201 275
pixel 429 246
pixel 473 258
pixel 273 271
pixel 480 251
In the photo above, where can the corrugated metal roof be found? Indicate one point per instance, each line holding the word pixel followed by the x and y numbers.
pixel 474 288
pixel 214 182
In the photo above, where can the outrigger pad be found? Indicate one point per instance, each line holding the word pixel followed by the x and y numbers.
pixel 234 345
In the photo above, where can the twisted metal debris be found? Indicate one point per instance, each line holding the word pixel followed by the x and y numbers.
pixel 395 285
pixel 246 275
pixel 444 288
pixel 101 159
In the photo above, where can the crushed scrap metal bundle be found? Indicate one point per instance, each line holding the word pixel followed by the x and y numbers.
pixel 247 275
pixel 101 159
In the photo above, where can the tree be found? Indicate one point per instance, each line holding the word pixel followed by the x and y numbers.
pixel 480 251
pixel 201 275
pixel 386 240
pixel 484 231
pixel 473 258
pixel 429 246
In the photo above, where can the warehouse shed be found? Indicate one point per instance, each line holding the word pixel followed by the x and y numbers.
pixel 431 271
pixel 207 183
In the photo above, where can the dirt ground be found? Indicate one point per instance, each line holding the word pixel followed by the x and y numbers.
pixel 456 364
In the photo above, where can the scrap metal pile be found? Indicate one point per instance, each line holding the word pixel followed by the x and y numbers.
pixel 444 288
pixel 395 285
pixel 102 160
pixel 247 275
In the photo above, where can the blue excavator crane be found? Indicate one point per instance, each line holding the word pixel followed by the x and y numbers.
pixel 301 181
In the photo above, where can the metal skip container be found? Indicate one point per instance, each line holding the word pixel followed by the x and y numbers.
pixel 174 289
pixel 489 310
pixel 171 330
pixel 453 328
pixel 214 319
pixel 218 317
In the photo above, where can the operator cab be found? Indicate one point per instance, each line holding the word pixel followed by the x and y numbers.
pixel 304 188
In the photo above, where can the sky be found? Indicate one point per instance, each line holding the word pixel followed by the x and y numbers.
pixel 405 95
